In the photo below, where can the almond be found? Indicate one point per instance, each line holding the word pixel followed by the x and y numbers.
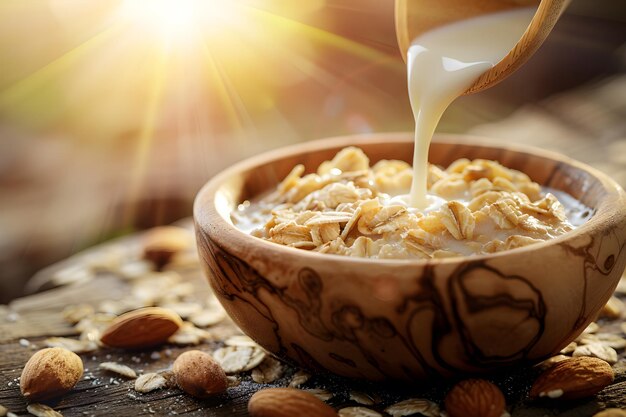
pixel 50 373
pixel 162 243
pixel 199 375
pixel 142 328
pixel 573 378
pixel 287 402
pixel 475 398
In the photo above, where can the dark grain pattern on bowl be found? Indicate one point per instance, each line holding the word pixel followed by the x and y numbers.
pixel 410 319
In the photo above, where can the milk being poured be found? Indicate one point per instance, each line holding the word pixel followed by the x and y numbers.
pixel 445 62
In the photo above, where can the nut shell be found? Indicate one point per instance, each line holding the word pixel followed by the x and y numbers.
pixel 199 375
pixel 162 243
pixel 50 373
pixel 287 402
pixel 142 328
pixel 573 378
pixel 475 398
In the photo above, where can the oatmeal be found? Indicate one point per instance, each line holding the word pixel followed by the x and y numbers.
pixel 349 208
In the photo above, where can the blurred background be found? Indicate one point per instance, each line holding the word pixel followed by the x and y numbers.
pixel 113 113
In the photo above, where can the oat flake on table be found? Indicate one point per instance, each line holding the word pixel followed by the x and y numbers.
pixel 358 412
pixel 320 393
pixel 362 398
pixel 76 346
pixel 268 371
pixel 119 369
pixel 299 378
pixel 414 406
pixel 42 410
pixel 150 382
pixel 235 359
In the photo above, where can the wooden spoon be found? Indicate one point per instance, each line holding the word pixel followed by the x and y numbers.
pixel 414 17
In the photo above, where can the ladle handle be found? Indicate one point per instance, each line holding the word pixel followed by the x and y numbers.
pixel 414 17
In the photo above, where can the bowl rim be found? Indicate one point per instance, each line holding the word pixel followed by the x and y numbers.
pixel 227 235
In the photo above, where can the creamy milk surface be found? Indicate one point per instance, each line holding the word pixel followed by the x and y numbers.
pixel 442 64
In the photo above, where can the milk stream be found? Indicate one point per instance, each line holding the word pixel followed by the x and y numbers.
pixel 445 62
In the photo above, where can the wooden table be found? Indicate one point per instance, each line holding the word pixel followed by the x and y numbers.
pixel 27 322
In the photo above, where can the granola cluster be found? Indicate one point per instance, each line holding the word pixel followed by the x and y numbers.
pixel 348 208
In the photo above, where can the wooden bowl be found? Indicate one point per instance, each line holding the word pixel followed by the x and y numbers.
pixel 410 319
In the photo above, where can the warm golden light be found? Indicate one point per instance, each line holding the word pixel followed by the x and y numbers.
pixel 219 78
pixel 171 19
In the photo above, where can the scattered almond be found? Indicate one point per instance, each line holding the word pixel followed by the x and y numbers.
pixel 573 378
pixel 475 398
pixel 142 328
pixel 3 411
pixel 161 243
pixel 49 373
pixel 199 375
pixel 287 402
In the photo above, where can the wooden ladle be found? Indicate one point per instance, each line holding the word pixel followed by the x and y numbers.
pixel 415 17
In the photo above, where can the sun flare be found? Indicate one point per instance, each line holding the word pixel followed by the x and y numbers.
pixel 174 20
pixel 166 72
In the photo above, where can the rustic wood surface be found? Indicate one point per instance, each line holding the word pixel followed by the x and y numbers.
pixel 26 322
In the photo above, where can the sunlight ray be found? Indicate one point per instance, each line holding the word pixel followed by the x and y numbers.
pixel 288 57
pixel 32 82
pixel 323 36
pixel 144 140
pixel 237 114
